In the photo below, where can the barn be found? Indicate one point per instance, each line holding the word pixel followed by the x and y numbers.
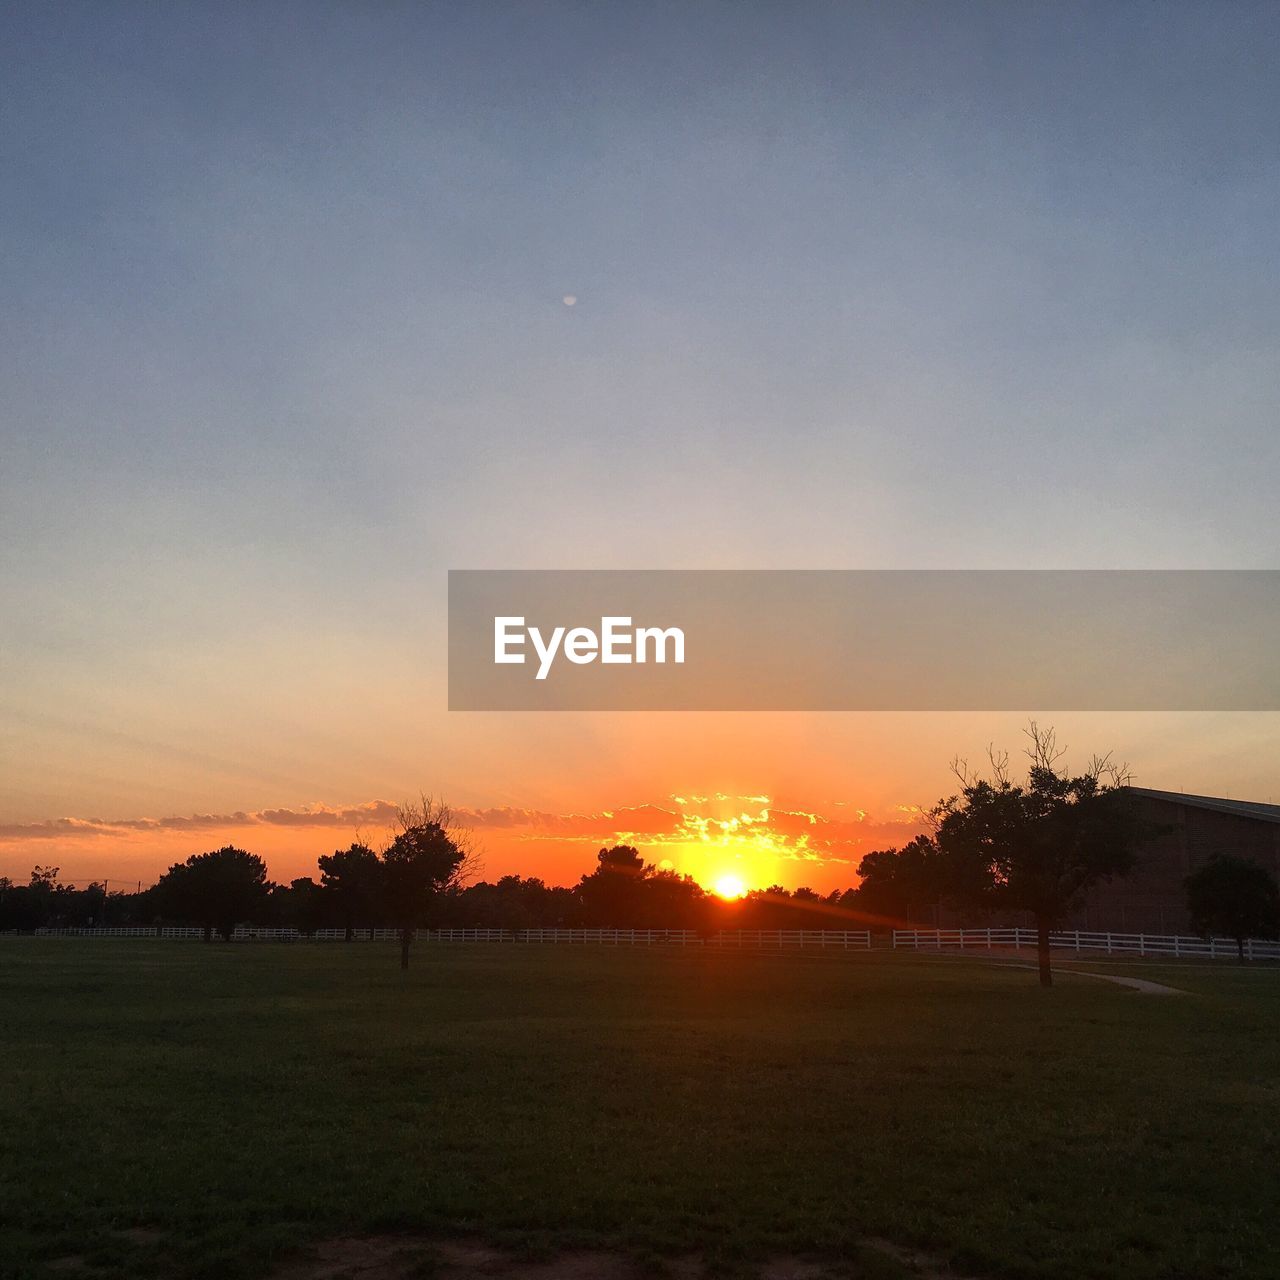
pixel 1192 829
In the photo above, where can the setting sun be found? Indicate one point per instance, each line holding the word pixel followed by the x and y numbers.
pixel 730 886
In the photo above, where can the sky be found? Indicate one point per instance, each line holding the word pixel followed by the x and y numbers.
pixel 283 338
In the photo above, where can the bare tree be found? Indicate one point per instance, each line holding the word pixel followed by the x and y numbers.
pixel 1038 846
pixel 432 854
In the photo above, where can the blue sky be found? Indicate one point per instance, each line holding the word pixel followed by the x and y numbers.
pixel 283 337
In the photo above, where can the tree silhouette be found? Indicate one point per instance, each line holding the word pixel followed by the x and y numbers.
pixel 45 902
pixel 901 883
pixel 215 890
pixel 430 856
pixel 1234 897
pixel 44 892
pixel 352 880
pixel 669 900
pixel 301 905
pixel 1037 847
pixel 622 857
pixel 611 894
pixel 515 903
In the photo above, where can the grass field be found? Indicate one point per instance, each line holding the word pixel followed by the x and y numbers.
pixel 190 1111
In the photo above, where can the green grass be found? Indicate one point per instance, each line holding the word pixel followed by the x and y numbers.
pixel 239 1101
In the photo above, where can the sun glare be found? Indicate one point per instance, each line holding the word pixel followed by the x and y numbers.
pixel 729 886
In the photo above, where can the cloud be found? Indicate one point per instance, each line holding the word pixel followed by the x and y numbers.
pixel 378 813
pixel 792 832
pixel 786 822
pixel 645 819
pixel 513 818
pixel 58 828
pixel 637 820
pixel 372 813
pixel 64 828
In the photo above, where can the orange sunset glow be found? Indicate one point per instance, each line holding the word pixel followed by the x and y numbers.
pixel 800 798
pixel 639 640
pixel 265 398
pixel 729 844
pixel 730 886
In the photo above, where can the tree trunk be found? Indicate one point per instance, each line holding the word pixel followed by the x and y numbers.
pixel 406 937
pixel 1042 951
pixel 1240 950
pixel 208 933
pixel 350 935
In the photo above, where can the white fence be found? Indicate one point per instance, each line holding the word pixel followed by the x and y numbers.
pixel 1125 944
pixel 832 939
pixel 757 939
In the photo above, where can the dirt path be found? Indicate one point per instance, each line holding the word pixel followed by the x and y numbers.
pixel 1137 984
pixel 408 1258
pixel 1145 985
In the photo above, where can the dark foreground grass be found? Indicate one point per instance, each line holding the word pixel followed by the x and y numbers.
pixel 236 1102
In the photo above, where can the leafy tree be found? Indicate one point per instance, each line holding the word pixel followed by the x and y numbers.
pixel 94 904
pixel 669 900
pixel 301 905
pixel 130 910
pixel 558 907
pixel 217 890
pixel 19 906
pixel 611 894
pixel 626 892
pixel 45 902
pixel 1234 898
pixel 622 857
pixel 901 883
pixel 506 904
pixel 769 908
pixel 514 903
pixel 430 857
pixel 352 880
pixel 43 893
pixel 1037 847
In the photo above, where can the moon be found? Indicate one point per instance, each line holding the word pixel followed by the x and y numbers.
pixel 570 299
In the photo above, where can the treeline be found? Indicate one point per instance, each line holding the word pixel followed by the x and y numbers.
pixel 228 887
pixel 998 846
pixel 424 878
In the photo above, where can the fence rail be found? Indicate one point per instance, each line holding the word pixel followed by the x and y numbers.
pixel 760 939
pixel 1079 940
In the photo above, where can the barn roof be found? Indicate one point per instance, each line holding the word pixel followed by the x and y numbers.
pixel 1219 804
